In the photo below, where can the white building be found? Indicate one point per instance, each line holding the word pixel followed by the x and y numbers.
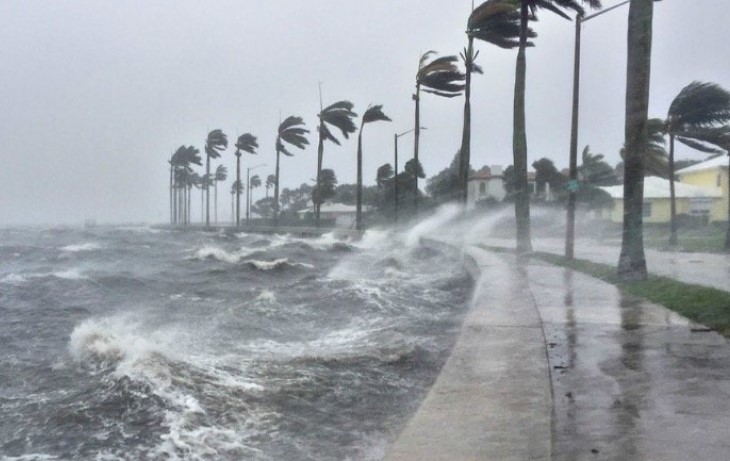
pixel 487 183
pixel 344 215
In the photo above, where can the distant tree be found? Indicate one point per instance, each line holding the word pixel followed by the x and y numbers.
pixel 339 115
pixel 693 119
pixel 290 132
pixel 215 143
pixel 264 207
pixel 595 171
pixel 444 187
pixel 372 114
pixel 326 188
pixel 438 76
pixel 245 143
pixel 383 178
pixel 179 170
pixel 546 174
pixel 221 174
pixel 253 183
pixel 270 182
pixel 509 182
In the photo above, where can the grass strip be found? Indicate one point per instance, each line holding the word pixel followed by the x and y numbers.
pixel 708 306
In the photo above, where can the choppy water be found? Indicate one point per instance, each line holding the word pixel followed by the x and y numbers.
pixel 137 343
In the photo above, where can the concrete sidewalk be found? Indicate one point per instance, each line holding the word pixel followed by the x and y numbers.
pixel 554 364
pixel 706 269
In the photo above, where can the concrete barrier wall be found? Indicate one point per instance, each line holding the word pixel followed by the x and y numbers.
pixel 492 399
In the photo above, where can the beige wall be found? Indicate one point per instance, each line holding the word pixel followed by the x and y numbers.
pixel 709 179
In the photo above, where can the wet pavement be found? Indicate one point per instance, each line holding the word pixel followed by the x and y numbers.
pixel 707 269
pixel 555 365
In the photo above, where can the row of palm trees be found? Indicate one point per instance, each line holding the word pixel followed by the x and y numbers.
pixel 505 24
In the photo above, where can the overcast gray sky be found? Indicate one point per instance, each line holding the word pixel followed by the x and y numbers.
pixel 97 94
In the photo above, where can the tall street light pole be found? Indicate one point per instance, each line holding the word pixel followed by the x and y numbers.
pixel 248 192
pixel 395 167
pixel 573 167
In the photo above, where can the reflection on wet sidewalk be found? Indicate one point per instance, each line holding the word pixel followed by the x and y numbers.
pixel 631 380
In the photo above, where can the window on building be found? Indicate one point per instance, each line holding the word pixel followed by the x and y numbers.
pixel 700 206
pixel 482 188
pixel 646 209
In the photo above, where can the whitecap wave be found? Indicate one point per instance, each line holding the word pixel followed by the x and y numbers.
pixel 70 274
pixel 276 264
pixel 75 248
pixel 219 254
pixel 13 279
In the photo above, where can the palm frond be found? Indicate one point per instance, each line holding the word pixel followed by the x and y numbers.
pixel 374 114
pixel 699 145
pixel 699 104
pixel 247 143
pixel 216 142
pixel 291 131
pixel 339 115
pixel 497 22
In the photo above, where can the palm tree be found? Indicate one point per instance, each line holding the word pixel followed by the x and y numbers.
pixel 694 113
pixel 215 143
pixel 253 183
pixel 221 174
pixel 180 164
pixel 496 22
pixel 528 8
pixel 236 189
pixel 441 77
pixel 290 131
pixel 383 175
pixel 270 181
pixel 372 114
pixel 632 262
pixel 339 115
pixel 247 143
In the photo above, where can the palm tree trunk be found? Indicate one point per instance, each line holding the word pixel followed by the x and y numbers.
pixel 465 151
pixel 519 143
pixel 207 192
pixel 727 236
pixel 358 195
pixel 573 167
pixel 632 262
pixel 233 214
pixel 201 204
pixel 238 191
pixel 215 201
pixel 320 153
pixel 276 190
pixel 416 138
pixel 672 196
pixel 172 216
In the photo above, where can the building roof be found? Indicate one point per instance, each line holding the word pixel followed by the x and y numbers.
pixel 718 162
pixel 655 187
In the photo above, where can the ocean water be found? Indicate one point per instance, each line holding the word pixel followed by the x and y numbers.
pixel 142 343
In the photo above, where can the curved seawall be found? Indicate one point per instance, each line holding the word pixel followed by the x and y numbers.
pixel 492 399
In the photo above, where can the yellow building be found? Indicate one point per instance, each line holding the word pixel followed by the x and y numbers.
pixel 690 200
pixel 710 174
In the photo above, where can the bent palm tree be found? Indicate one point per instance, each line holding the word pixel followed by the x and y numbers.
pixel 221 174
pixel 181 161
pixel 236 189
pixel 694 113
pixel 290 131
pixel 247 143
pixel 253 183
pixel 632 262
pixel 372 114
pixel 528 8
pixel 440 77
pixel 496 22
pixel 216 142
pixel 339 115
pixel 270 181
